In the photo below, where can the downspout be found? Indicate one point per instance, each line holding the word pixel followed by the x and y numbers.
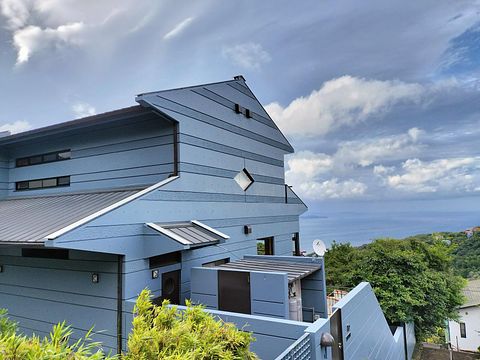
pixel 119 303
pixel 175 148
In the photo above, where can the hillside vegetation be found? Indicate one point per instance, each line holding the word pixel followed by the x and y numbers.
pixel 465 251
pixel 414 279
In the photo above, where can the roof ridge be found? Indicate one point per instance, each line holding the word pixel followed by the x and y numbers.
pixel 190 87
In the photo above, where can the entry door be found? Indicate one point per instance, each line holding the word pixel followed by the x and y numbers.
pixel 171 286
pixel 234 291
pixel 336 331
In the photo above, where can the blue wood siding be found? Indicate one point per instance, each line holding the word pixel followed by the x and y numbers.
pixel 128 155
pixel 40 293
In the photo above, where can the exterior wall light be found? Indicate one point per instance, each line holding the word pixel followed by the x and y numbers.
pixel 95 278
pixel 247 229
pixel 155 274
pixel 327 340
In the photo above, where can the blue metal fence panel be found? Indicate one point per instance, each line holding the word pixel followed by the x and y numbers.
pixel 299 350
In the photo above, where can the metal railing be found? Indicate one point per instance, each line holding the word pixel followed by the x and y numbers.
pixel 299 350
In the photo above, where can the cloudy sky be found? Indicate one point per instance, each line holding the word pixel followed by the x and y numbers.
pixel 381 102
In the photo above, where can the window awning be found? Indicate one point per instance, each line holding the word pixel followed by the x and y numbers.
pixel 190 234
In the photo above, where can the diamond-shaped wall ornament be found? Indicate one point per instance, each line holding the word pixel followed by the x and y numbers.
pixel 244 179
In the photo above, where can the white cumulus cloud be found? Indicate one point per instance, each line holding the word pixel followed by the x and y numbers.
pixel 16 127
pixel 448 175
pixel 344 101
pixel 16 12
pixel 332 189
pixel 248 55
pixel 367 152
pixel 83 109
pixel 31 39
pixel 178 29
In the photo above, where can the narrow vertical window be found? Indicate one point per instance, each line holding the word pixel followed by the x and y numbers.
pixel 463 330
pixel 296 244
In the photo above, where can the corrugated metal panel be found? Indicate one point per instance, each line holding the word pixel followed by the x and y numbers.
pixel 188 233
pixel 294 270
pixel 30 220
pixel 472 293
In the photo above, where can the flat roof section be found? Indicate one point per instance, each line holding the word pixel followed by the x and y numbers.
pixel 294 270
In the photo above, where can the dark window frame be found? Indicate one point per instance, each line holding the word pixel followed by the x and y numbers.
pixel 463 330
pixel 60 181
pixel 27 160
pixel 39 253
pixel 296 244
pixel 269 245
pixel 167 259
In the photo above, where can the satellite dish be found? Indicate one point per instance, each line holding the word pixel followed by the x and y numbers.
pixel 319 247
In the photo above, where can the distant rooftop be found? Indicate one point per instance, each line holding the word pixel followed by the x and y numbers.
pixel 472 293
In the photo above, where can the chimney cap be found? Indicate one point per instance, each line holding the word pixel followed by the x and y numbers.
pixel 239 77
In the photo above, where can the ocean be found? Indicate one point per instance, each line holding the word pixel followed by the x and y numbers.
pixel 362 227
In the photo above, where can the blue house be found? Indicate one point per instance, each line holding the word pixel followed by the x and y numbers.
pixel 175 194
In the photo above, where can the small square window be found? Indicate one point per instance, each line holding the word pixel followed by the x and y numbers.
pixel 22 185
pixel 49 182
pixel 22 162
pixel 244 179
pixel 36 160
pixel 49 157
pixel 64 181
pixel 35 184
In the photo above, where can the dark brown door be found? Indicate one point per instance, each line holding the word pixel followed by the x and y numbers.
pixel 171 286
pixel 336 331
pixel 234 291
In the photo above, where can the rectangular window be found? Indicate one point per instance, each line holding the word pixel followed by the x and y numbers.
pixel 165 259
pixel 463 330
pixel 46 253
pixel 44 158
pixel 42 183
pixel 265 246
pixel 296 244
pixel 216 262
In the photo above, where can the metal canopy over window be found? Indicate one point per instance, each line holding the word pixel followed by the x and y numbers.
pixel 295 270
pixel 190 234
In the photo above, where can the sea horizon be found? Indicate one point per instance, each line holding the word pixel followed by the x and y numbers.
pixel 360 228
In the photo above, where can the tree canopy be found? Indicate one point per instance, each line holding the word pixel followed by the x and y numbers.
pixel 413 279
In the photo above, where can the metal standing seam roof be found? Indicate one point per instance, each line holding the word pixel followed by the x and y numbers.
pixel 29 220
pixel 472 294
pixel 192 233
pixel 295 270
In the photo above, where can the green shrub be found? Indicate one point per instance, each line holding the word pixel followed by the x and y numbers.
pixel 57 345
pixel 164 332
pixel 7 326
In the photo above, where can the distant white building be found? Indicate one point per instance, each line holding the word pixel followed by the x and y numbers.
pixel 465 334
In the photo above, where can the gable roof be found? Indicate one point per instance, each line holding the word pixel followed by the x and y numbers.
pixel 210 90
pixel 472 294
pixel 187 100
